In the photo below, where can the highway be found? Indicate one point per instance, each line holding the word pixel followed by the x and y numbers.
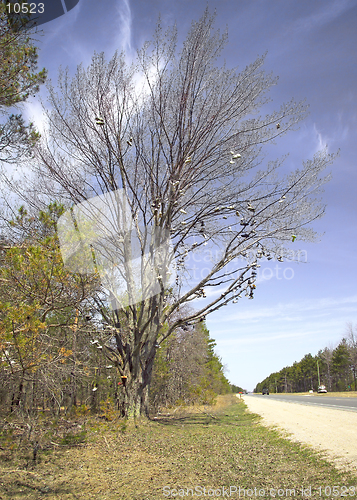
pixel 338 403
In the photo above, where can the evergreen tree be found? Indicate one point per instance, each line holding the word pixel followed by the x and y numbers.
pixel 341 366
pixel 19 79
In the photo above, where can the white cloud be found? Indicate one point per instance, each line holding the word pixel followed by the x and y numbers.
pixel 321 142
pixel 74 13
pixel 294 311
pixel 312 333
pixel 107 32
pixel 263 338
pixel 125 24
pixel 338 134
pixel 33 112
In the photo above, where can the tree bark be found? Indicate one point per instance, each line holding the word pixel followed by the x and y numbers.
pixel 16 401
pixel 136 386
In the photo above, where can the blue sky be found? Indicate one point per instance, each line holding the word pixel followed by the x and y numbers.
pixel 311 46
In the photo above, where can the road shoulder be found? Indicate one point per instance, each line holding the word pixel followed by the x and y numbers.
pixel 328 430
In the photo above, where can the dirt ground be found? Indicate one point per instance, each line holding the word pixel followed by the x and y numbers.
pixel 325 429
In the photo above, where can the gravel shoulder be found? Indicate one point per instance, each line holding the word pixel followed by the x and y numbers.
pixel 331 431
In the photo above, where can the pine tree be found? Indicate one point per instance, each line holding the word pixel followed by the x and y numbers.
pixel 19 79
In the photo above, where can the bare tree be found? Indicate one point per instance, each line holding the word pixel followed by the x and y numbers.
pixel 182 138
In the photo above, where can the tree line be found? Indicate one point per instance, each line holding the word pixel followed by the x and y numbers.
pixel 336 368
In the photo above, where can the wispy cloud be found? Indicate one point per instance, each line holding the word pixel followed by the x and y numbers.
pixel 311 334
pixel 327 13
pixel 320 141
pixel 110 30
pixel 339 134
pixel 125 25
pixel 293 311
pixel 76 11
pixel 258 339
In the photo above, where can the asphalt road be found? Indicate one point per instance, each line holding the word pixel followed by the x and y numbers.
pixel 349 404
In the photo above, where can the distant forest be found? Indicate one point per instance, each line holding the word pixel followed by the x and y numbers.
pixel 336 368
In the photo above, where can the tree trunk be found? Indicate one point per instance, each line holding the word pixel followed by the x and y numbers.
pixel 136 387
pixel 73 392
pixel 328 377
pixel 16 401
pixel 34 402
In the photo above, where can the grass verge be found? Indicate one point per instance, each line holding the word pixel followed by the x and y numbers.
pixel 212 448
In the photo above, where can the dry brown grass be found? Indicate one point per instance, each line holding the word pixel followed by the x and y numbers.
pixel 211 447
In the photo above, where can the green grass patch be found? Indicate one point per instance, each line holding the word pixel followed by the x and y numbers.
pixel 72 439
